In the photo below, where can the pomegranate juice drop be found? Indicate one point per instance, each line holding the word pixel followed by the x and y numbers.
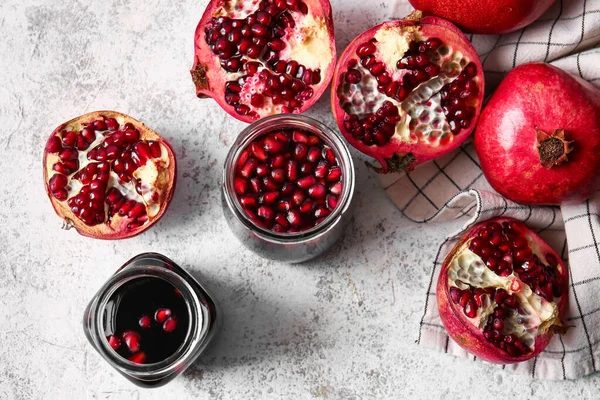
pixel 147 320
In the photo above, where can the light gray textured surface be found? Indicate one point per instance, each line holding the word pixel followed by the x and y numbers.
pixel 342 327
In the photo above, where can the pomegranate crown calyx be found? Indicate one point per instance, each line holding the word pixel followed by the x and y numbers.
pixel 553 148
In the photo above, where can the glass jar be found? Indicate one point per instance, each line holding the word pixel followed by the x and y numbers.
pixel 289 247
pixel 202 319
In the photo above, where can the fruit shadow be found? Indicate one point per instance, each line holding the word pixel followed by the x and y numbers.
pixel 253 329
pixel 197 197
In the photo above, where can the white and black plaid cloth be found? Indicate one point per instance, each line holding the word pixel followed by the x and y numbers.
pixel 453 187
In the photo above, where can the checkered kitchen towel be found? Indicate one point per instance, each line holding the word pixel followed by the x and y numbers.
pixel 453 187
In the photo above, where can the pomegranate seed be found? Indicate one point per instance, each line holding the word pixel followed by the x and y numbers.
pixel 138 358
pixel 366 49
pixel 240 185
pixel 322 169
pixel 335 174
pixel 470 308
pixel 465 297
pixel 68 154
pixel 249 168
pixel 100 125
pixel 155 149
pixel 262 170
pixel 273 146
pixel 137 211
pixel 353 76
pixel 258 151
pixel 270 197
pixel 145 322
pixel 321 212
pixel 299 137
pixel 162 314
pixel 295 218
pixel 455 294
pixel 306 182
pixel 248 201
pixel 291 170
pixel 278 175
pixel 132 340
pixel 54 145
pixel 298 197
pixel 256 185
pixel 257 100
pixel 112 124
pixel 500 296
pixel 511 301
pixel 58 181
pixel 300 151
pixel 266 213
pixel 170 324
pixel 336 189
pixel 114 342
pixel 332 202
pixel 317 191
pixel 284 205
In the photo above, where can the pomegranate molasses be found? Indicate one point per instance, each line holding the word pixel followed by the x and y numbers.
pixel 288 185
pixel 151 320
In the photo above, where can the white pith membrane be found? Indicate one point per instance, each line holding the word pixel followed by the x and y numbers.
pixel 422 116
pixel 308 43
pixel 534 313
pixel 145 176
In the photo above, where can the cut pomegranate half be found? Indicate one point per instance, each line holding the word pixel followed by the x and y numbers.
pixel 408 91
pixel 108 175
pixel 502 292
pixel 259 58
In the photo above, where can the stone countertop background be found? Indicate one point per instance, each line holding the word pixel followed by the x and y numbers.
pixel 341 327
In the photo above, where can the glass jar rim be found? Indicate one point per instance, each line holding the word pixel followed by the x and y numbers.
pixel 196 318
pixel 286 121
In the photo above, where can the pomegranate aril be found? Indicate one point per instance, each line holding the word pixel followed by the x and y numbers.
pixel 317 191
pixel 249 201
pixel 295 218
pixel 162 314
pixel 470 308
pixel 249 168
pixel 366 49
pixel 336 189
pixel 54 145
pixel 113 341
pixel 170 324
pixel 132 340
pixel 306 182
pixel 145 322
pixel 136 211
pixel 138 358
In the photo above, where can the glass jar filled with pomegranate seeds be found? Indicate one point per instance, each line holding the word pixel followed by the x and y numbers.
pixel 288 186
pixel 151 320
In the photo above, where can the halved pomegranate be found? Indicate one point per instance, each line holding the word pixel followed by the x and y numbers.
pixel 489 17
pixel 408 91
pixel 502 292
pixel 108 175
pixel 264 57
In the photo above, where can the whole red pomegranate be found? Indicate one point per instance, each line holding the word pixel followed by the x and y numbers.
pixel 108 175
pixel 264 57
pixel 538 139
pixel 502 292
pixel 489 17
pixel 408 91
